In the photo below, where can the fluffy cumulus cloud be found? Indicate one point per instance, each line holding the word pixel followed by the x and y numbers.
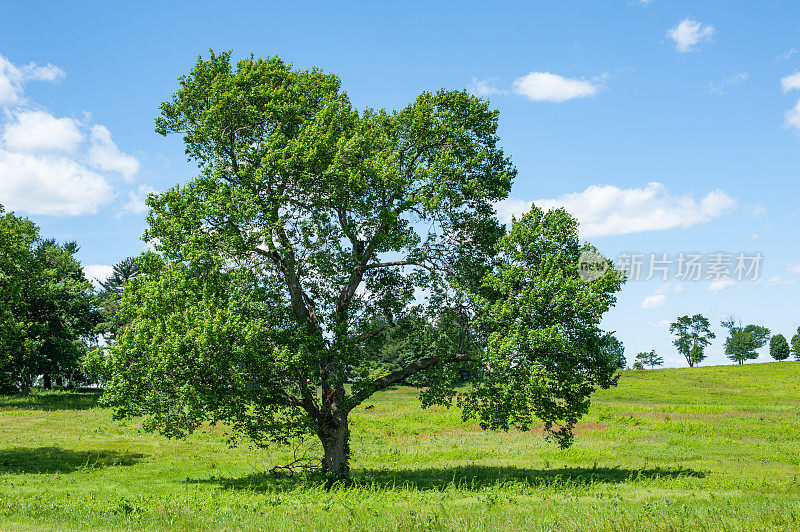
pixel 97 273
pixel 608 210
pixel 50 184
pixel 136 199
pixel 105 155
pixel 549 87
pixel 53 165
pixel 689 33
pixel 13 77
pixel 32 131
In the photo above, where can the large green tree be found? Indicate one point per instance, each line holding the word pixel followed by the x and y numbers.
pixel 314 229
pixel 47 311
pixel 692 335
pixel 743 342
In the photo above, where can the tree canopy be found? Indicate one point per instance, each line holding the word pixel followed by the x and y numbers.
pixel 311 231
pixel 649 358
pixel 779 347
pixel 46 306
pixel 743 342
pixel 692 335
pixel 796 344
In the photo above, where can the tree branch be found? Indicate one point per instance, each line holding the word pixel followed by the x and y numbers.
pixel 402 374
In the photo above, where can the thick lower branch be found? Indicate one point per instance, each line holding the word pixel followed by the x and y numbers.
pixel 398 376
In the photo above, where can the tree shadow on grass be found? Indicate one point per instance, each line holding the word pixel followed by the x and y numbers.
pixel 467 478
pixel 52 400
pixel 49 460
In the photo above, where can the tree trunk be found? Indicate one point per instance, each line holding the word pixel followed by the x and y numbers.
pixel 59 381
pixel 335 437
pixel 48 382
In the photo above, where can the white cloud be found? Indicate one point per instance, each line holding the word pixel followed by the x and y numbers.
pixel 136 199
pixel 792 118
pixel 485 87
pixel 511 207
pixel 790 82
pixel 688 33
pixel 718 285
pixel 105 155
pixel 786 55
pixel 776 280
pixel 49 184
pixel 794 269
pixel 13 77
pixel 609 210
pixel 41 131
pixel 756 211
pixel 655 301
pixel 97 273
pixel 46 168
pixel 548 87
pixel 719 87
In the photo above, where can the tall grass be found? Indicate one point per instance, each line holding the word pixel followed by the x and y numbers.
pixel 711 448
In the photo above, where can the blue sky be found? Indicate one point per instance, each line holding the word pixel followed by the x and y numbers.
pixel 665 126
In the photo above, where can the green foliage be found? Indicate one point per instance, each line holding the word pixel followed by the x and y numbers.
pixel 796 344
pixel 110 296
pixel 779 347
pixel 743 342
pixel 692 335
pixel 614 351
pixel 649 358
pixel 46 307
pixel 546 352
pixel 318 241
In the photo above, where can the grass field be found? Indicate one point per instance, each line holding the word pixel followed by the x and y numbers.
pixel 706 448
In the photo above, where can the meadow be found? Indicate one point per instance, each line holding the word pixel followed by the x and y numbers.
pixel 709 448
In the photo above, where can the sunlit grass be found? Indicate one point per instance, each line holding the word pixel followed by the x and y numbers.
pixel 706 448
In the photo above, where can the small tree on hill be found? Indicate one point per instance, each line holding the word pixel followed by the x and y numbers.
pixel 779 347
pixel 796 345
pixel 743 342
pixel 650 358
pixel 614 351
pixel 692 335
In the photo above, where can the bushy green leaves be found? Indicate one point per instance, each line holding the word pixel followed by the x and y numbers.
pixel 316 238
pixel 779 347
pixel 545 352
pixel 692 336
pixel 743 342
pixel 46 306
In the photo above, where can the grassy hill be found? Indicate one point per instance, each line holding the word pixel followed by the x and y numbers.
pixel 713 448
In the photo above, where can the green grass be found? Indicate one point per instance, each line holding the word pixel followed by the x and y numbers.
pixel 712 448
